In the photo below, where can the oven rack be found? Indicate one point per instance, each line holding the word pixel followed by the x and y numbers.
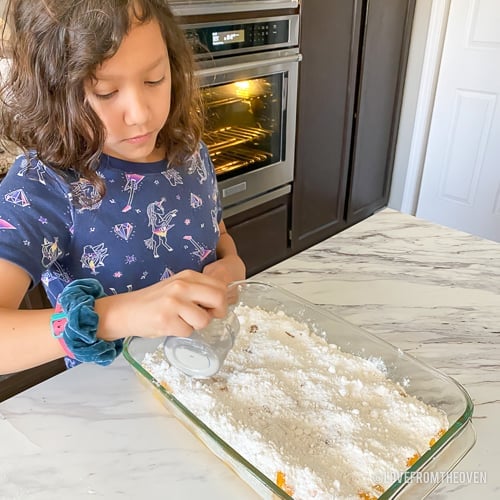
pixel 229 137
pixel 226 101
pixel 226 161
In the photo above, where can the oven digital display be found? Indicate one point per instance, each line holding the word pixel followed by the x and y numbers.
pixel 226 37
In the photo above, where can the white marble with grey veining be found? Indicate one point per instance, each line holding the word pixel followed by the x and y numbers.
pixel 434 292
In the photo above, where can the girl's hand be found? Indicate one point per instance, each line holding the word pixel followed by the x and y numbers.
pixel 175 306
pixel 227 269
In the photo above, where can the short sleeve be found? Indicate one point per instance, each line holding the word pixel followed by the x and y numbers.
pixel 35 217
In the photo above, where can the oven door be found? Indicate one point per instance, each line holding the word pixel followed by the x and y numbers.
pixel 197 7
pixel 250 107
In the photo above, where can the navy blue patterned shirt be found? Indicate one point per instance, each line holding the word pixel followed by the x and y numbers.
pixel 154 221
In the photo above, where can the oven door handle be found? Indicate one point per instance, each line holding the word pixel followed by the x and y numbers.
pixel 218 70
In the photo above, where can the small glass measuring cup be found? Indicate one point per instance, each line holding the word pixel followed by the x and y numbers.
pixel 202 354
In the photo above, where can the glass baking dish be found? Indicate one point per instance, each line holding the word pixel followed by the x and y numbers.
pixel 419 380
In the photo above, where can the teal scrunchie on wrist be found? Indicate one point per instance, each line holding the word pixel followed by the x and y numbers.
pixel 80 333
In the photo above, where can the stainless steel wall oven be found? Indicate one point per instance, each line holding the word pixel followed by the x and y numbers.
pixel 248 70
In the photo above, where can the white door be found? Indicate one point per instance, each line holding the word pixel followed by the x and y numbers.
pixel 461 176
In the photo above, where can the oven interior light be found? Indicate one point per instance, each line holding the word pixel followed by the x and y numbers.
pixel 242 85
pixel 243 88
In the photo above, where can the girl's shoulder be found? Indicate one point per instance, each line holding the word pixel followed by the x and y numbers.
pixel 30 170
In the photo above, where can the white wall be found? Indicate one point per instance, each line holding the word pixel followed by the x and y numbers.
pixel 409 105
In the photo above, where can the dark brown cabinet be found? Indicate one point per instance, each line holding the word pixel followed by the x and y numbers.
pixel 350 87
pixel 261 234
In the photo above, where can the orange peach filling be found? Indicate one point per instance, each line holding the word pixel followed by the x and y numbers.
pixel 281 482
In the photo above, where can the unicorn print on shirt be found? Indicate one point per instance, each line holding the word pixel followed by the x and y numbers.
pixel 85 195
pixel 173 176
pixel 159 221
pixel 93 257
pixel 36 165
pixel 196 164
pixel 215 223
pixel 50 253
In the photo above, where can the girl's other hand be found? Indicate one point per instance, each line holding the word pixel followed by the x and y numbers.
pixel 226 269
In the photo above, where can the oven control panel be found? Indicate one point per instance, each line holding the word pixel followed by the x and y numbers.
pixel 243 36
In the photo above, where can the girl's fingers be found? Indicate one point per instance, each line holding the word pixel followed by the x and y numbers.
pixel 198 289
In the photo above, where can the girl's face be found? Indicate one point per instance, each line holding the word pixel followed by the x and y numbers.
pixel 131 95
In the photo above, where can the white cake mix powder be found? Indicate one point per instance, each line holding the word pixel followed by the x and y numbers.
pixel 330 424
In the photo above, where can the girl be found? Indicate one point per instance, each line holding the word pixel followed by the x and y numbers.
pixel 113 205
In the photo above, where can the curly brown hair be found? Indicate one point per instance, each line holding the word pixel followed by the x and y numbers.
pixel 56 46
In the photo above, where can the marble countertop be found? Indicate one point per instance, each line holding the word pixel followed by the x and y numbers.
pixel 95 432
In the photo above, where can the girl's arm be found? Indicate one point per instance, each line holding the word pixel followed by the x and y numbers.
pixel 25 335
pixel 176 305
pixel 173 306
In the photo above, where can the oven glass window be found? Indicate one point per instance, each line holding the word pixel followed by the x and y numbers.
pixel 244 124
